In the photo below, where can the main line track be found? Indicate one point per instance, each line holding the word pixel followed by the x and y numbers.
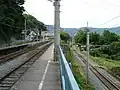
pixel 106 81
pixel 10 79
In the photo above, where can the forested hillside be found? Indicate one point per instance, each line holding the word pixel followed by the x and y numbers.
pixel 32 23
pixel 12 20
pixel 102 45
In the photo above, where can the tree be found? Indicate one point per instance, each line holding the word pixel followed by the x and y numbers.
pixel 94 38
pixel 11 20
pixel 108 37
pixel 80 37
pixel 114 48
pixel 64 36
pixel 32 22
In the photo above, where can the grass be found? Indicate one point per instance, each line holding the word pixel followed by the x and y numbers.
pixel 77 71
pixel 105 63
pixel 112 66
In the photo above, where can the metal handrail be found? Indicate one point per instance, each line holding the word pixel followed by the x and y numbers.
pixel 68 81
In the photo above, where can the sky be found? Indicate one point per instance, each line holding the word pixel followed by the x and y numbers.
pixel 76 13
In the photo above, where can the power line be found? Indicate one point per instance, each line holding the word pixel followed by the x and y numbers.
pixel 115 25
pixel 110 20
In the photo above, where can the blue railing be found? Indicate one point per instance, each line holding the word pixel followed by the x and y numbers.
pixel 67 79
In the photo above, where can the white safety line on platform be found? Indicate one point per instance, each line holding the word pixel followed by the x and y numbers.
pixel 44 75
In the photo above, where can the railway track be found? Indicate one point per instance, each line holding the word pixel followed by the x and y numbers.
pixel 111 85
pixel 8 57
pixel 11 78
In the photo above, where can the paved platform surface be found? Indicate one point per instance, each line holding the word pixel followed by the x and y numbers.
pixel 30 43
pixel 43 75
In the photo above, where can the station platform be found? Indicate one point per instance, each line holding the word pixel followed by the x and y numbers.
pixel 43 75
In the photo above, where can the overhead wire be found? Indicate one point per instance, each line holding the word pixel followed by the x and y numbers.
pixel 110 4
pixel 110 20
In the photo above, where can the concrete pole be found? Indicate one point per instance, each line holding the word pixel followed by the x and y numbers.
pixel 43 38
pixel 57 26
pixel 37 34
pixel 25 29
pixel 87 52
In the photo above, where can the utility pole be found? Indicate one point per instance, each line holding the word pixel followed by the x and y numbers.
pixel 87 41
pixel 56 4
pixel 43 37
pixel 37 33
pixel 73 35
pixel 57 27
pixel 25 29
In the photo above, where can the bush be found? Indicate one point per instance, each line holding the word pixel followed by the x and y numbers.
pixel 104 55
pixel 95 52
pixel 116 71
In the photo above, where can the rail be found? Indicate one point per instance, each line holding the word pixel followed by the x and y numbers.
pixel 68 81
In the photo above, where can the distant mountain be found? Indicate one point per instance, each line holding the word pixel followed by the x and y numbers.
pixel 72 31
pixel 50 27
pixel 101 30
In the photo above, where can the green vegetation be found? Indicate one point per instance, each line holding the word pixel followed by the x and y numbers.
pixel 77 70
pixel 111 51
pixel 64 36
pixel 108 37
pixel 106 45
pixel 105 63
pixel 104 50
pixel 32 22
pixel 12 20
pixel 95 38
pixel 80 38
pixel 109 65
